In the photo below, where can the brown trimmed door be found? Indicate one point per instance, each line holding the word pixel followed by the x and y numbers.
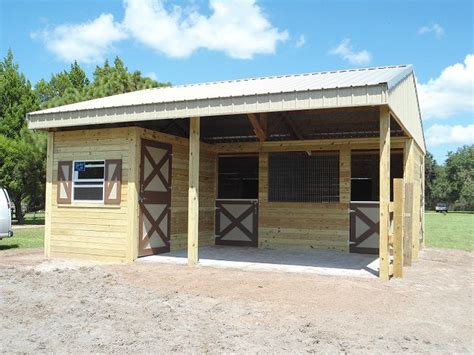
pixel 237 222
pixel 155 198
pixel 364 229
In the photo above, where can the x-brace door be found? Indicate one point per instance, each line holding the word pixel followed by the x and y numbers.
pixel 155 198
pixel 237 222
pixel 364 233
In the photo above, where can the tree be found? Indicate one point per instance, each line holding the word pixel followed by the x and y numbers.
pixel 460 176
pixel 78 77
pixel 73 86
pixel 16 98
pixel 22 169
pixel 22 152
pixel 62 88
pixel 112 80
pixel 431 174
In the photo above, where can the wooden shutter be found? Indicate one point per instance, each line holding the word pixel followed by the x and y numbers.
pixel 113 181
pixel 64 182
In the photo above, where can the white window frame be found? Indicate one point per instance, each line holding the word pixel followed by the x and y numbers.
pixel 75 178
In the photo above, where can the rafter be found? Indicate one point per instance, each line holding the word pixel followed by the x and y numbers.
pixel 257 128
pixel 181 127
pixel 292 127
pixel 294 130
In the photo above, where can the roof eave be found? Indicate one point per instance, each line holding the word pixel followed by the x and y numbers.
pixel 368 95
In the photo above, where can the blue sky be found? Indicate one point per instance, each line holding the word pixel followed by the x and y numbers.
pixel 207 40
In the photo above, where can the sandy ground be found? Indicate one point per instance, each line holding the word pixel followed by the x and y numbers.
pixel 70 307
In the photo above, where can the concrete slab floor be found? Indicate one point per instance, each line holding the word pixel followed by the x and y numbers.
pixel 322 262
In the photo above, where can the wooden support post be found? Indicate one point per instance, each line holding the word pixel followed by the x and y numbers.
pixel 416 218
pixel 423 182
pixel 398 203
pixel 48 192
pixel 193 192
pixel 345 175
pixel 133 185
pixel 408 211
pixel 259 132
pixel 384 192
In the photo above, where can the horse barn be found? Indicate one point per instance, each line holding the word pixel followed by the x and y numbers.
pixel 319 161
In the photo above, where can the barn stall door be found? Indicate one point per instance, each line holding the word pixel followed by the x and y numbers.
pixel 237 222
pixel 155 198
pixel 364 229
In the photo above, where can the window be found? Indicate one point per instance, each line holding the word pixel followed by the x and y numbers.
pixel 88 180
pixel 238 177
pixel 365 174
pixel 303 177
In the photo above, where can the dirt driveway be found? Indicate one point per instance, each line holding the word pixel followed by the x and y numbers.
pixel 61 306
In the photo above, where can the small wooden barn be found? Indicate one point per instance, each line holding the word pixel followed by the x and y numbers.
pixel 330 160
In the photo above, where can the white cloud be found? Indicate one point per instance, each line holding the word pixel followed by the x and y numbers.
pixel 444 134
pixel 86 42
pixel 451 93
pixel 238 28
pixel 301 41
pixel 345 50
pixel 435 29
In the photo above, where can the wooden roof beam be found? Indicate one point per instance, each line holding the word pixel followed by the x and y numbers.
pixel 292 128
pixel 257 128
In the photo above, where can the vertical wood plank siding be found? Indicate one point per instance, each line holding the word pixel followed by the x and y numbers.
pixel 109 233
pixel 305 225
pixel 418 200
pixel 90 231
pixel 384 195
pixel 179 192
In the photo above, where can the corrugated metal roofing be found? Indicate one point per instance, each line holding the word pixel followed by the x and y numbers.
pixel 390 76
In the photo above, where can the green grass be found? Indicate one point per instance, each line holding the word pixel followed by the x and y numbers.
pixel 33 218
pixel 24 239
pixel 450 230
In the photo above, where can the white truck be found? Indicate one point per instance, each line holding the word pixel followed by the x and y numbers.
pixel 5 215
pixel 442 207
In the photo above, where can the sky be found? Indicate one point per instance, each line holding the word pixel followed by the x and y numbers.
pixel 208 40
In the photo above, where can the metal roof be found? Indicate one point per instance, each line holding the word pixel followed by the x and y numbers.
pixel 390 75
pixel 391 85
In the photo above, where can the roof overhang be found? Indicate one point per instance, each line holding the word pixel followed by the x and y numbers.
pixel 372 95
pixel 393 86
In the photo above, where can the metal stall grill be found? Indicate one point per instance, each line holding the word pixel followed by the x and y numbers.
pixel 303 177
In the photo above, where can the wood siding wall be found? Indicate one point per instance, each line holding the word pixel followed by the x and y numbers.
pixel 179 192
pixel 418 200
pixel 414 179
pixel 88 231
pixel 310 225
pixel 110 233
pixel 305 225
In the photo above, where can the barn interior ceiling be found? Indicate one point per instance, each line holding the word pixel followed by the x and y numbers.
pixel 277 126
